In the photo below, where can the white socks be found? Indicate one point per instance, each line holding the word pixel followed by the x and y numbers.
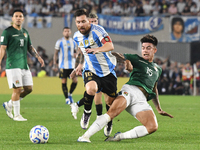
pixel 16 107
pixel 98 124
pixel 136 132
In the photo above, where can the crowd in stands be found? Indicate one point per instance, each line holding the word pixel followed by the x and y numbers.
pixel 59 8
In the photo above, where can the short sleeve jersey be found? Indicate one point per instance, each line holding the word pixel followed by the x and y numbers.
pixel 66 50
pixel 144 74
pixel 17 42
pixel 102 63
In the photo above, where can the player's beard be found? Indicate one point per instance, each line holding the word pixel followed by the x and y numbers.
pixel 85 31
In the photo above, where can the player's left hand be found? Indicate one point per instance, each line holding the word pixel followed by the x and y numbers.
pixel 41 61
pixel 163 113
pixel 91 50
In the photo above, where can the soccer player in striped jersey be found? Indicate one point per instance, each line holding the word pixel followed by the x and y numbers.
pixel 98 74
pixel 15 42
pixel 93 18
pixel 141 87
pixel 65 53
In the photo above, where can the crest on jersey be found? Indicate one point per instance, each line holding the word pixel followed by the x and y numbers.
pixel 25 35
pixel 126 93
pixel 155 68
pixel 17 81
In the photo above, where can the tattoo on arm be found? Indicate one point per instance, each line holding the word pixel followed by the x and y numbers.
pixel 79 59
pixel 120 57
pixel 33 51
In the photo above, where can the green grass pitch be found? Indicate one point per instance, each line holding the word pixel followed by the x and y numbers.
pixel 180 133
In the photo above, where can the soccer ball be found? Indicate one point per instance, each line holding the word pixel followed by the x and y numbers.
pixel 39 134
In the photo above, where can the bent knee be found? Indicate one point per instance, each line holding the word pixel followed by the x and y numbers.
pixel 152 128
pixel 91 90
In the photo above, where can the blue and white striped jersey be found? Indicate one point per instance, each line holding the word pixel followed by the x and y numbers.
pixel 66 50
pixel 102 63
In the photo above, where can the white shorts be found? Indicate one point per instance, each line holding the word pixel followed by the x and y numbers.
pixel 136 100
pixel 19 77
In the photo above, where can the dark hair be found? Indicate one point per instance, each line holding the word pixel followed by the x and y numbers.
pixel 149 39
pixel 17 10
pixel 175 20
pixel 66 28
pixel 80 12
pixel 92 15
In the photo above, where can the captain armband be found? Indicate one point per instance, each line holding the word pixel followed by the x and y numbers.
pixel 106 39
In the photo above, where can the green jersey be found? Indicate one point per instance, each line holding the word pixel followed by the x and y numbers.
pixel 144 74
pixel 17 42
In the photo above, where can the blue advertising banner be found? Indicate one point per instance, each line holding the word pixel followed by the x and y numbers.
pixel 184 29
pixel 130 25
pixel 39 21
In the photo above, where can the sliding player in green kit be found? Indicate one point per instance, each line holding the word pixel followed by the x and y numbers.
pixel 15 42
pixel 141 87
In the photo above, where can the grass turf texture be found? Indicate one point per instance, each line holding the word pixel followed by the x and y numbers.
pixel 180 133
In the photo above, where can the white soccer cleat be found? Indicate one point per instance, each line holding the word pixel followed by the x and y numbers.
pixel 19 118
pixel 108 129
pixel 115 138
pixel 74 110
pixel 84 139
pixel 85 120
pixel 8 110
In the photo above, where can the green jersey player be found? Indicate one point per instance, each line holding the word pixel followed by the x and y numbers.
pixel 15 42
pixel 141 87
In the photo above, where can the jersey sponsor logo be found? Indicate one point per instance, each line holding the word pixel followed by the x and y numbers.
pixel 15 35
pixel 2 38
pixel 149 71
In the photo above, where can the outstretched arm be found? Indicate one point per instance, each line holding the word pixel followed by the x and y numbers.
pixel 157 103
pixel 34 53
pixel 120 57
